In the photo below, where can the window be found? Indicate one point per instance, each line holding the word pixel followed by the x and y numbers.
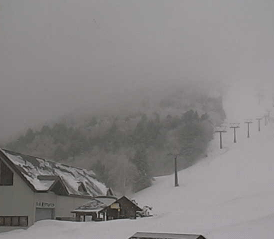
pixel 6 175
pixel 23 221
pixel 59 189
pixel 7 221
pixel 14 221
pixel 82 188
pixel 1 221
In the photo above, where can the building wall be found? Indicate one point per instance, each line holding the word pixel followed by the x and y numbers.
pixel 16 200
pixel 45 201
pixel 20 200
pixel 63 205
pixel 66 204
pixel 128 209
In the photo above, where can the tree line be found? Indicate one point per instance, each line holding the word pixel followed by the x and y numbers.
pixel 124 153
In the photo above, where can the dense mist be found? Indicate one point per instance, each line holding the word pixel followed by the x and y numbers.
pixel 59 56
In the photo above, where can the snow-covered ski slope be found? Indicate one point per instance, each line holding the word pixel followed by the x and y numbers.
pixel 229 194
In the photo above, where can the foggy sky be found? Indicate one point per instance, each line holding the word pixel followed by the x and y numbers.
pixel 56 56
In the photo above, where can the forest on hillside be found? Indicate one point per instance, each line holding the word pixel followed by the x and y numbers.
pixel 127 151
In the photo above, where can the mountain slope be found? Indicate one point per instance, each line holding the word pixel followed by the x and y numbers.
pixel 228 194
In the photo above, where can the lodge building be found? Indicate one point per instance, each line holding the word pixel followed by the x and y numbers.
pixel 33 189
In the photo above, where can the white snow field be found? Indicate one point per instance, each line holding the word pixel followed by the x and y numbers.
pixel 229 194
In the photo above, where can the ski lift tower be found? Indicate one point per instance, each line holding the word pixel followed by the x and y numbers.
pixel 221 130
pixel 234 126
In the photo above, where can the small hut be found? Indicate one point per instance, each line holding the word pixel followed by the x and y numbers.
pixel 103 208
pixel 149 235
pixel 121 208
pixel 91 210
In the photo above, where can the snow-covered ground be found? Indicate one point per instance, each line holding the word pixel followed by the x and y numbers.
pixel 229 194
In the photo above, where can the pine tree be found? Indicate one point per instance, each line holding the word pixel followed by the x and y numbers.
pixel 29 136
pixel 143 179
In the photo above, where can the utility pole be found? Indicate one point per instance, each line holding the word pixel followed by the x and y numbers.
pixel 176 171
pixel 235 126
pixel 248 122
pixel 259 124
pixel 175 155
pixel 221 139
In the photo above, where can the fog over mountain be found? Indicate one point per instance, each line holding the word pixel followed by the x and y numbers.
pixel 58 56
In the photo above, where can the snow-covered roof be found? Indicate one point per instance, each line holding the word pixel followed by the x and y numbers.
pixel 100 203
pixel 96 204
pixel 165 235
pixel 43 174
pixel 106 200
